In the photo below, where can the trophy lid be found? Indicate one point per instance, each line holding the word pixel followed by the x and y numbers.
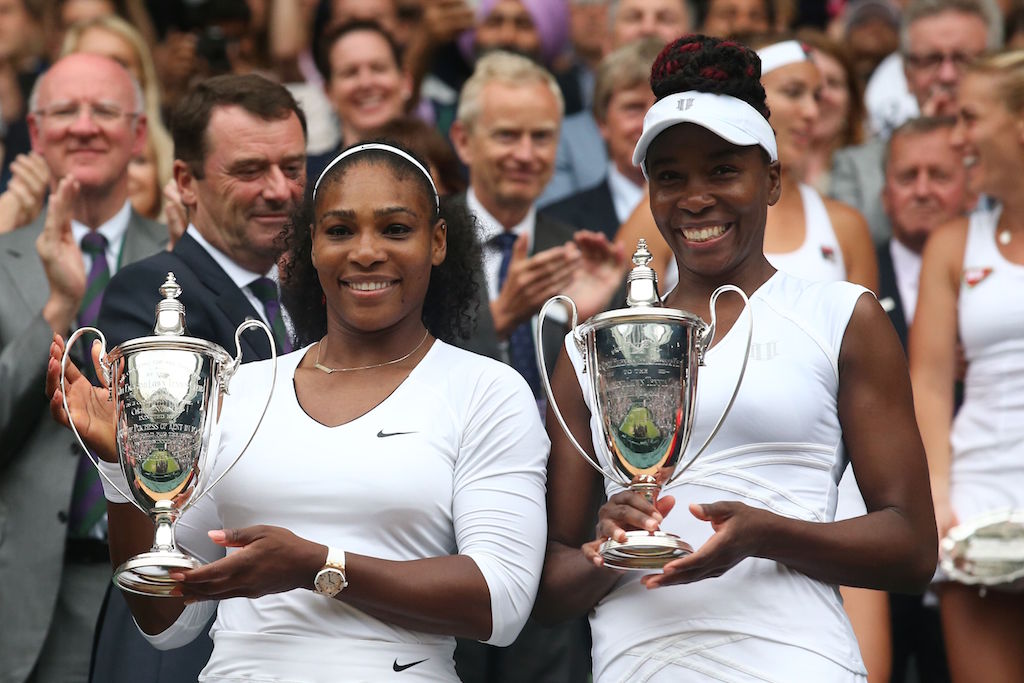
pixel 642 282
pixel 170 313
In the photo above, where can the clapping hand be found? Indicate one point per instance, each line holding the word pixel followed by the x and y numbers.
pixel 90 406
pixel 269 559
pixel 175 212
pixel 531 281
pixel 61 257
pixel 599 274
pixel 26 191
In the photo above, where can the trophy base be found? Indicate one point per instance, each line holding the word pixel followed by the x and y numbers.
pixel 149 573
pixel 644 550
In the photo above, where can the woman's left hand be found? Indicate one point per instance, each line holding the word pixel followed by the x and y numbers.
pixel 739 530
pixel 270 559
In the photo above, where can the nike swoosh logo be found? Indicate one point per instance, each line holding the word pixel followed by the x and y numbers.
pixel 382 435
pixel 402 667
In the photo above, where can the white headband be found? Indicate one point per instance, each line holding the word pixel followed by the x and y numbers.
pixel 378 146
pixel 726 116
pixel 781 54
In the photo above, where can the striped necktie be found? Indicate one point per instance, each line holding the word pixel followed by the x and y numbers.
pixel 265 290
pixel 521 350
pixel 87 502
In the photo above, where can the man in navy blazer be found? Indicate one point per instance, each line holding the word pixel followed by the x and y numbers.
pixel 240 166
pixel 925 187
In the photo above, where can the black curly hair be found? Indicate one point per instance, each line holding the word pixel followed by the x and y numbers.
pixel 450 306
pixel 711 65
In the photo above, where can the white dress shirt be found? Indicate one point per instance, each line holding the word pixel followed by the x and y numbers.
pixel 907 265
pixel 114 230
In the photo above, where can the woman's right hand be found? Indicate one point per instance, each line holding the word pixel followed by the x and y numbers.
pixel 90 406
pixel 626 511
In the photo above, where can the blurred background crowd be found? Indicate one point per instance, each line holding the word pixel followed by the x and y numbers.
pixel 869 138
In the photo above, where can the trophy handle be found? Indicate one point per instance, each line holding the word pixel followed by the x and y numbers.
pixel 226 372
pixel 105 366
pixel 705 343
pixel 539 348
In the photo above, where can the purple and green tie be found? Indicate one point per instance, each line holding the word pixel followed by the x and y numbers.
pixel 87 502
pixel 265 290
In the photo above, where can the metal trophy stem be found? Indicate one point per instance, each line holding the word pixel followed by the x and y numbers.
pixel 642 363
pixel 166 391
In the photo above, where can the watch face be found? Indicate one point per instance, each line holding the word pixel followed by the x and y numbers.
pixel 329 581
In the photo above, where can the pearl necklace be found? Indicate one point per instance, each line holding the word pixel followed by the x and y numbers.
pixel 323 368
pixel 1004 237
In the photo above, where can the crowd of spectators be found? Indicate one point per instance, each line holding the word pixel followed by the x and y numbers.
pixel 526 112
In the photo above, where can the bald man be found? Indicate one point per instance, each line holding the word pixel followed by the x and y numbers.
pixel 85 119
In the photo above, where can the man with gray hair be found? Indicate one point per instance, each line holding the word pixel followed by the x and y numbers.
pixel 506 133
pixel 938 38
pixel 86 121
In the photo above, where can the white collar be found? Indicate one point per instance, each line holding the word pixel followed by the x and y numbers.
pixel 239 275
pixel 626 194
pixel 489 227
pixel 113 229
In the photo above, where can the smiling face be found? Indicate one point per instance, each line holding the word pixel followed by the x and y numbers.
pixel 252 179
pixel 989 136
pixel 710 201
pixel 87 122
pixel 792 94
pixel 374 245
pixel 367 86
pixel 510 146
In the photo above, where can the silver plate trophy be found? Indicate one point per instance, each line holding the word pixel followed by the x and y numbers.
pixel 642 362
pixel 987 551
pixel 166 391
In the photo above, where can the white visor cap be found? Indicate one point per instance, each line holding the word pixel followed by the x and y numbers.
pixel 726 116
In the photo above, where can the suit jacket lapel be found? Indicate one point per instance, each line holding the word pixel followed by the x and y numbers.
pixel 230 299
pixel 889 289
pixel 143 238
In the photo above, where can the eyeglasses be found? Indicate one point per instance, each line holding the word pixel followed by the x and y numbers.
pixel 934 60
pixel 101 113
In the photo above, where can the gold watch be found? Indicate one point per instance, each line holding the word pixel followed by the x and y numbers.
pixel 330 580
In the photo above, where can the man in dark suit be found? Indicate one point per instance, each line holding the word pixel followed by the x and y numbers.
pixel 622 95
pixel 506 133
pixel 86 121
pixel 240 166
pixel 925 186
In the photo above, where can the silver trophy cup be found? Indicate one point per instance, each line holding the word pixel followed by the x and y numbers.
pixel 166 390
pixel 642 363
pixel 986 551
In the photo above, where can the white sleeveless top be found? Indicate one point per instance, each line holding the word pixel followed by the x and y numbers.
pixel 819 258
pixel 988 432
pixel 780 449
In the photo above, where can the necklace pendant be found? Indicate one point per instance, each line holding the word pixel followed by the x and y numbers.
pixel 1004 237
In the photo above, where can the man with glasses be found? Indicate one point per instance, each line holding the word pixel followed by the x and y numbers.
pixel 85 120
pixel 938 38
